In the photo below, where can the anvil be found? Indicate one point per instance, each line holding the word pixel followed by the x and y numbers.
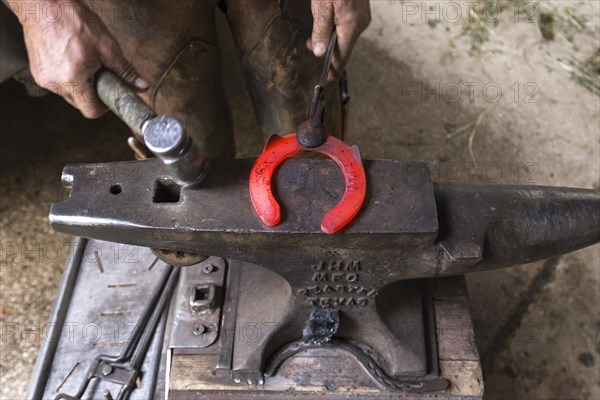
pixel 342 291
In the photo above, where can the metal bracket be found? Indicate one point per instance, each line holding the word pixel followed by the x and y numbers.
pixel 196 310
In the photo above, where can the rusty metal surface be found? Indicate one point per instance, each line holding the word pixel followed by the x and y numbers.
pixel 396 235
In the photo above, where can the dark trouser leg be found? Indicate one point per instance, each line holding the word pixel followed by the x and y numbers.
pixel 173 45
pixel 279 71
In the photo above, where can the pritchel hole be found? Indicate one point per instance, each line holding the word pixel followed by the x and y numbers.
pixel 116 188
pixel 166 191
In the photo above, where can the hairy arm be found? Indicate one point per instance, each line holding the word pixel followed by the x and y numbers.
pixel 67 44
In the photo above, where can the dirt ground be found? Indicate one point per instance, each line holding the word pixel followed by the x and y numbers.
pixel 503 93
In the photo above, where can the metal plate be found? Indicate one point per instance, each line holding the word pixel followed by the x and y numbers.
pixel 196 310
pixel 114 284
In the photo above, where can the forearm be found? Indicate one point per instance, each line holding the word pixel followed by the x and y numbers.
pixel 67 44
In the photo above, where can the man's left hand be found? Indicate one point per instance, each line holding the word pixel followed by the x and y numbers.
pixel 349 17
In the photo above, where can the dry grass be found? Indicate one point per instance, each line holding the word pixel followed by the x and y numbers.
pixel 587 75
pixel 473 126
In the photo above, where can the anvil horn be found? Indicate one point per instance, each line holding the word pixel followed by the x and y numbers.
pixel 493 226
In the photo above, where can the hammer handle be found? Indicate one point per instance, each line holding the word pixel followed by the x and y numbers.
pixel 122 100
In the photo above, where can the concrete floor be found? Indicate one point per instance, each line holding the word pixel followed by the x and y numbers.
pixel 537 326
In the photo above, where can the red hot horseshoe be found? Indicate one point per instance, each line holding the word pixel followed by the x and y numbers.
pixel 279 148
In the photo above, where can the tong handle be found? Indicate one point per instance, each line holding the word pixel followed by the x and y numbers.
pixel 311 133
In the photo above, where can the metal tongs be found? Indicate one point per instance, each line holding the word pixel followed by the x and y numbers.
pixel 311 133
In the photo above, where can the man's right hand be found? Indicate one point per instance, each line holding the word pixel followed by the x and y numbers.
pixel 66 50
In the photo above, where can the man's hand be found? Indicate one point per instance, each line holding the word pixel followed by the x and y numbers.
pixel 65 52
pixel 349 17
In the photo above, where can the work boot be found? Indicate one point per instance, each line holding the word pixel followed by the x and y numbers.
pixel 173 45
pixel 279 70
pixel 192 90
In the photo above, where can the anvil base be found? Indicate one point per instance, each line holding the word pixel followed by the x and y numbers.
pixel 213 320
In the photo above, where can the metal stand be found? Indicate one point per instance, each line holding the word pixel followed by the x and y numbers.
pixel 221 313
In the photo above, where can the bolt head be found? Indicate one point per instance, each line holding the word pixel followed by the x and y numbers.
pixel 107 370
pixel 199 330
pixel 208 268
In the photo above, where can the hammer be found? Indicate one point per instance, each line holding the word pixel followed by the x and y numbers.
pixel 163 135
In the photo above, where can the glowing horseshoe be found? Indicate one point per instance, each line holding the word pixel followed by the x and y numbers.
pixel 279 148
